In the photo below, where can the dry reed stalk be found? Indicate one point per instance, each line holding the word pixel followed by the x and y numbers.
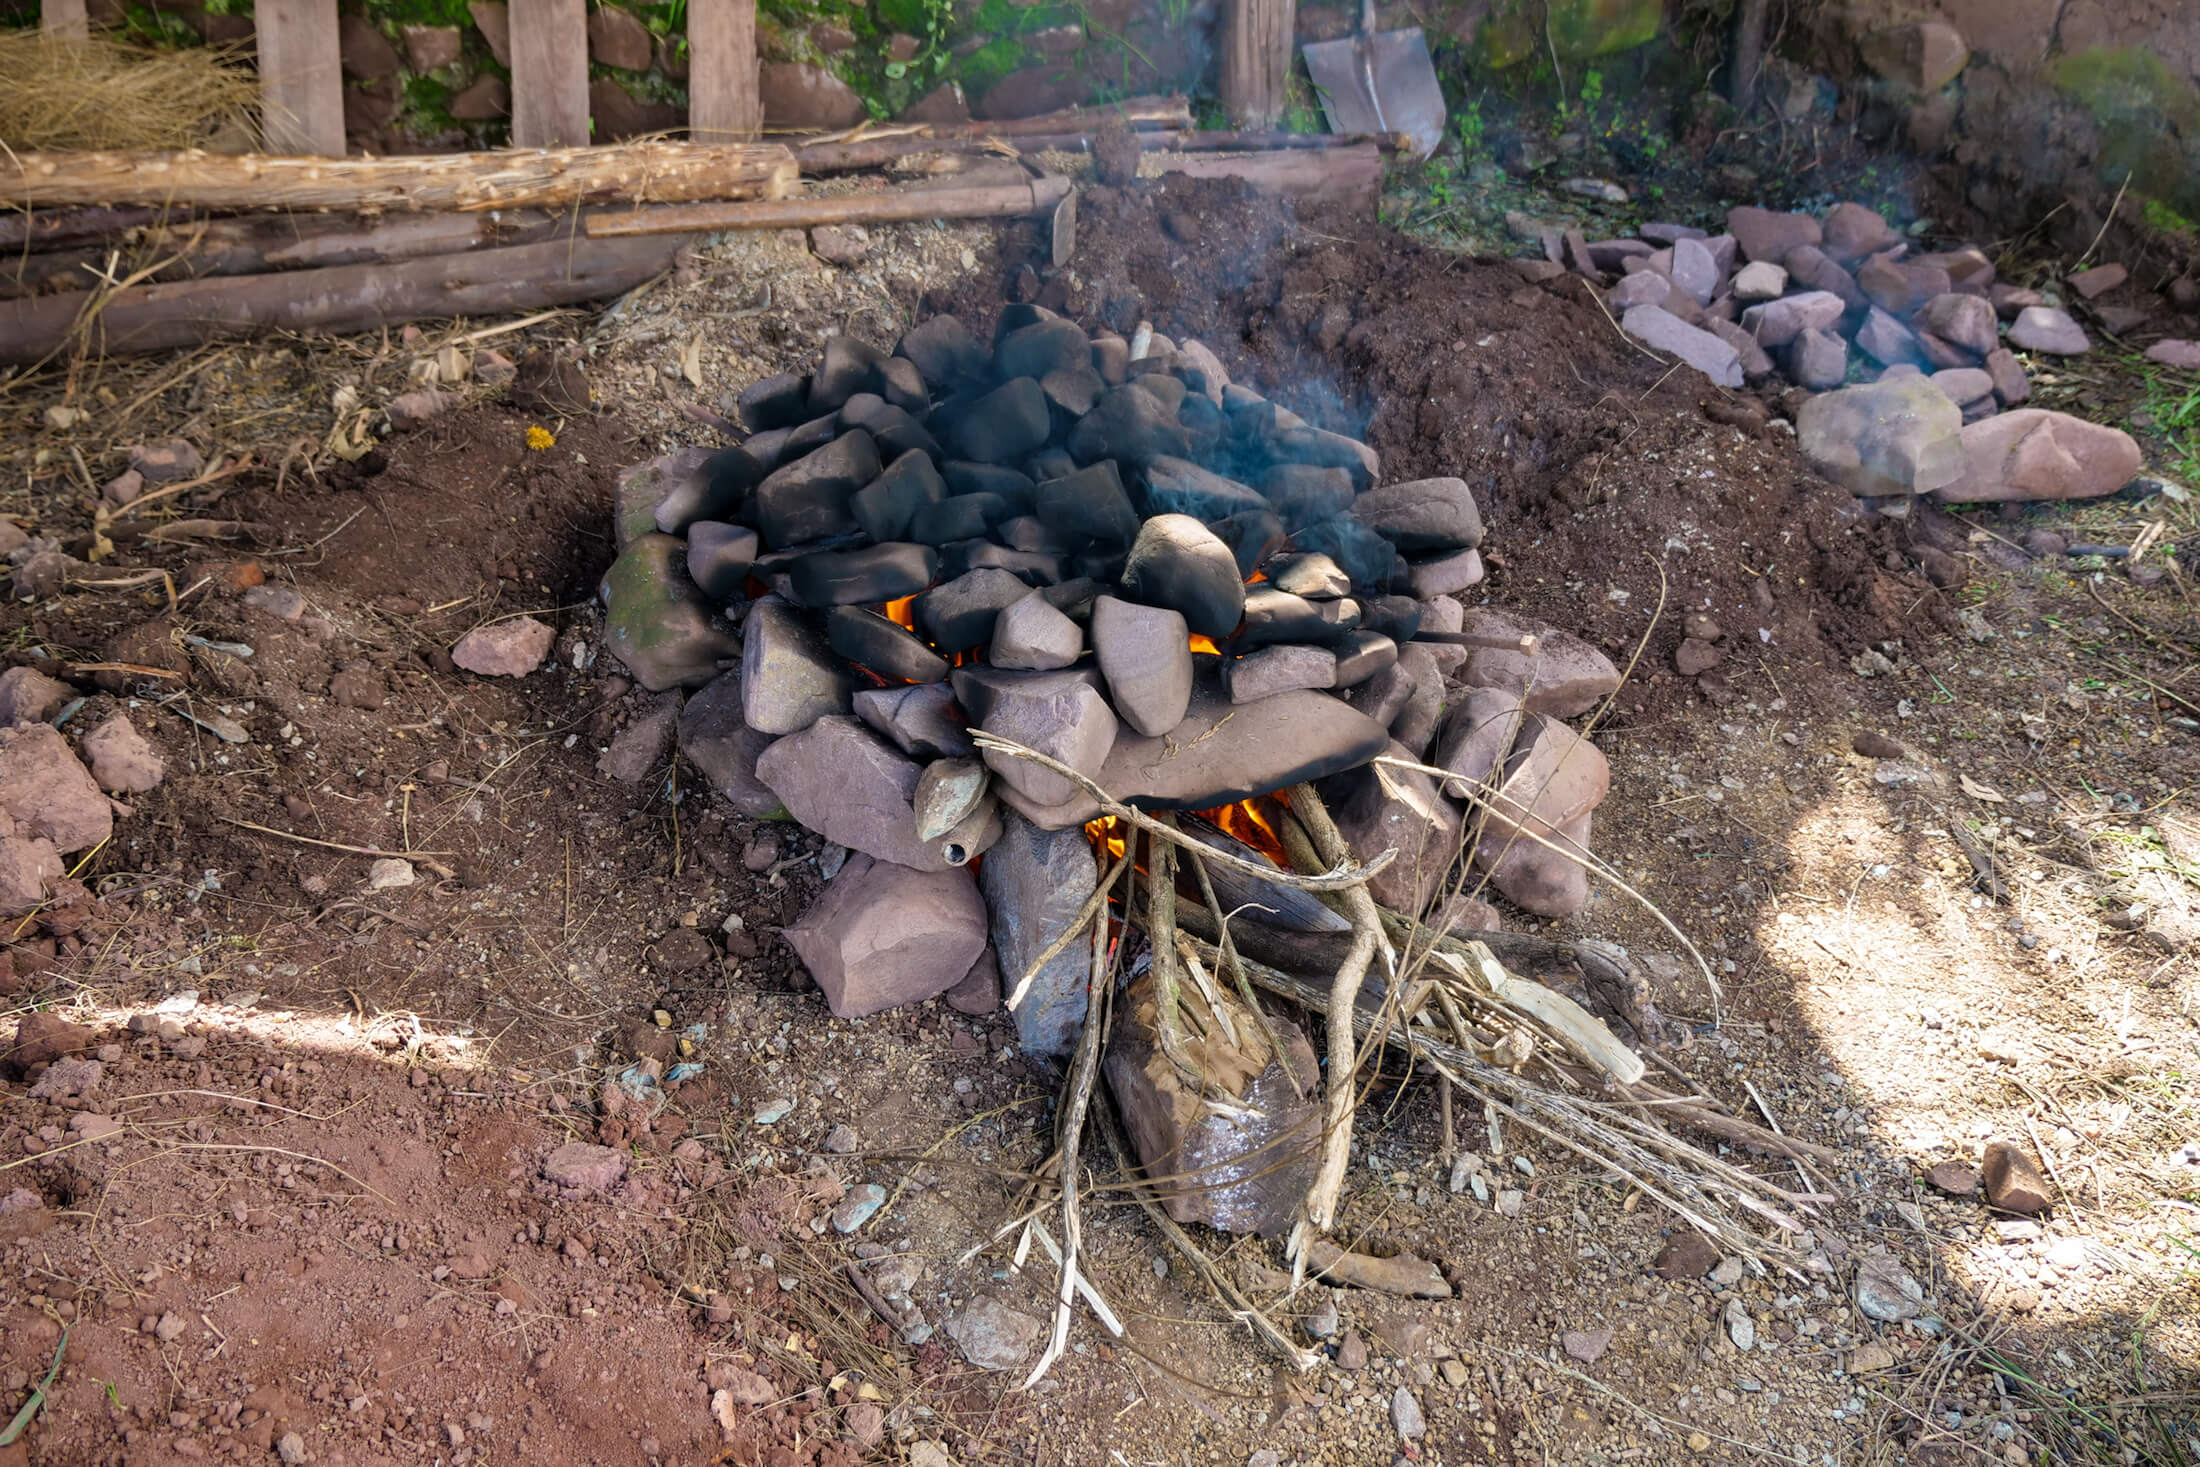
pixel 68 94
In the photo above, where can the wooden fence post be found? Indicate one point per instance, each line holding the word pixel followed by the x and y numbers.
pixel 65 19
pixel 724 105
pixel 550 74
pixel 301 76
pixel 1256 60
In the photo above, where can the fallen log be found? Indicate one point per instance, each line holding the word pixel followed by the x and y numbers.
pixel 24 229
pixel 879 206
pixel 337 298
pixel 1350 175
pixel 257 244
pixel 636 173
pixel 864 153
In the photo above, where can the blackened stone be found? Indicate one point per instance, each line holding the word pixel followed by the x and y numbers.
pixel 1006 424
pixel 1175 486
pixel 789 675
pixel 958 615
pixel 1074 598
pixel 858 577
pixel 886 507
pixel 1396 617
pixel 1363 654
pixel 1316 577
pixel 886 648
pixel 1303 494
pixel 1059 714
pixel 808 499
pixel 717 740
pixel 719 556
pixel 1016 315
pixel 979 686
pixel 1177 562
pixel 658 622
pixel 1202 422
pixel 1130 425
pixel 1302 445
pixel 1050 463
pixel 809 437
pixel 775 402
pixel 965 556
pixel 891 428
pixel 1040 348
pixel 714 492
pixel 1273 617
pixel 1296 736
pixel 962 517
pixel 1146 657
pixel 1252 538
pixel 1111 358
pixel 1384 695
pixel 1415 724
pixel 1072 390
pixel 970 478
pixel 945 352
pixel 1422 515
pixel 850 366
pixel 1100 563
pixel 1032 635
pixel 923 721
pixel 1090 504
pixel 1036 883
pixel 1027 532
pixel 769 448
pixel 1166 390
pixel 1363 554
pixel 902 385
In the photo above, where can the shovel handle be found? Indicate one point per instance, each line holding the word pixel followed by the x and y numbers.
pixel 1367 17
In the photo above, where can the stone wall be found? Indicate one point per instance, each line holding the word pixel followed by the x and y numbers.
pixel 2026 105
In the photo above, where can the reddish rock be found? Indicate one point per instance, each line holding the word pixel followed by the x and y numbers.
pixel 617 39
pixel 2013 1181
pixel 47 793
pixel 120 758
pixel 41 1038
pixel 1693 657
pixel 843 781
pixel 367 54
pixel 495 24
pixel 884 936
pixel 840 244
pixel 2036 453
pixel 1766 234
pixel 1853 231
pixel 2099 281
pixel 979 992
pixel 1564 676
pixel 29 696
pixel 166 462
pixel 1686 1255
pixel 513 647
pixel 1953 1178
pixel 431 47
pixel 943 104
pixel 807 98
pixel 1402 810
pixel 29 865
pixel 585 1168
pixel 485 99
pixel 1034 90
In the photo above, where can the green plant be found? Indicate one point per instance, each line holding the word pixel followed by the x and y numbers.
pixel 1473 129
pixel 2163 219
pixel 1592 88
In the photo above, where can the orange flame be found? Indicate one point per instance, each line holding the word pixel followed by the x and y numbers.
pixel 1204 644
pixel 901 613
pixel 1107 834
pixel 1252 824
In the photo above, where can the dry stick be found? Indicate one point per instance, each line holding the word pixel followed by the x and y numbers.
pixel 1085 914
pixel 1344 875
pixel 1083 1072
pixel 1327 1188
pixel 1168 1004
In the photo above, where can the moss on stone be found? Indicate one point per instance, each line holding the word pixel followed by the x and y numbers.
pixel 1520 30
pixel 2148 117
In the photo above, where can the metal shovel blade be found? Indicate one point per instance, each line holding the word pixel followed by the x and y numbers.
pixel 1379 82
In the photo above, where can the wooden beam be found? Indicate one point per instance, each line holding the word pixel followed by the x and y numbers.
pixel 1256 60
pixel 724 104
pixel 301 76
pixel 631 173
pixel 65 19
pixel 902 204
pixel 550 74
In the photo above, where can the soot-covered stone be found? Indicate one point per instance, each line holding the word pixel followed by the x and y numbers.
pixel 1042 347
pixel 1252 538
pixel 719 556
pixel 714 492
pixel 1396 617
pixel 1050 463
pixel 964 556
pixel 775 402
pixel 1304 494
pixel 808 498
pixel 1177 486
pixel 1013 486
pixel 886 507
pixel 1361 655
pixel 1090 504
pixel 1273 616
pixel 959 614
pixel 1422 515
pixel 1072 390
pixel 1005 425
pixel 886 648
pixel 960 517
pixel 1032 635
pixel 1323 449
pixel 857 577
pixel 945 352
pixel 1363 554
pixel 1279 669
pixel 1146 657
pixel 1178 562
pixel 892 429
pixel 850 366
pixel 1130 425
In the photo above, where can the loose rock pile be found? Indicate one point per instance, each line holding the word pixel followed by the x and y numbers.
pixel 1106 551
pixel 51 804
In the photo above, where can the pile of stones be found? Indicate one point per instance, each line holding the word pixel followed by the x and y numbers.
pixel 1104 550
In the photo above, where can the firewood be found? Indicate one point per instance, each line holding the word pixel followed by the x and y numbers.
pixel 882 206
pixel 633 173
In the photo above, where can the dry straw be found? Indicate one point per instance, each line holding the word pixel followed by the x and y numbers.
pixel 61 94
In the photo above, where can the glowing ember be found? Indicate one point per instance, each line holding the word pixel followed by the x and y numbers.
pixel 1205 644
pixel 1107 834
pixel 1251 823
pixel 901 613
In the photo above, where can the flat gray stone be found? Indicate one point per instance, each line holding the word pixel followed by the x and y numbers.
pixel 1444 575
pixel 1422 515
pixel 1035 882
pixel 790 677
pixel 1818 360
pixel 1278 669
pixel 1145 654
pixel 1695 270
pixel 1886 340
pixel 1776 323
pixel 1660 330
pixel 1031 636
pixel 993 1336
pixel 1890 437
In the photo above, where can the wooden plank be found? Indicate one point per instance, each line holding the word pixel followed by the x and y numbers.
pixel 1256 59
pixel 65 19
pixel 724 104
pixel 301 76
pixel 550 74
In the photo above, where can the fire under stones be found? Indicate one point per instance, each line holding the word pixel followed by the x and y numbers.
pixel 1179 591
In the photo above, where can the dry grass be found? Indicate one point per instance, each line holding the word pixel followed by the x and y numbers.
pixel 100 94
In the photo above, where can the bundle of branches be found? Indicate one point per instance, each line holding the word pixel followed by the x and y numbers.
pixel 1527 1052
pixel 58 93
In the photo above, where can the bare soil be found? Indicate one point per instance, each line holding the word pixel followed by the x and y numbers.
pixel 324 1211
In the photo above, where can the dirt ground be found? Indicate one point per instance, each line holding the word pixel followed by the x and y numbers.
pixel 319 1229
